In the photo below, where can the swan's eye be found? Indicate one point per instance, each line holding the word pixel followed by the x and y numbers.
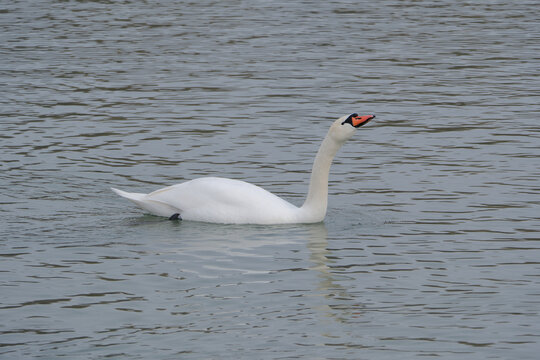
pixel 349 119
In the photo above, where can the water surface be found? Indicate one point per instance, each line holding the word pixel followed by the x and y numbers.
pixel 430 246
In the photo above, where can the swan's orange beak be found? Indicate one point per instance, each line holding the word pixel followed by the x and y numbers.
pixel 361 120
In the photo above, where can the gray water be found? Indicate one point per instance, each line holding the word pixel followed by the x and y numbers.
pixel 430 248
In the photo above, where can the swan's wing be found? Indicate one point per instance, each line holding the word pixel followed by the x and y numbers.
pixel 224 200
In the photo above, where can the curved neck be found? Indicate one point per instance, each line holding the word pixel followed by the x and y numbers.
pixel 317 197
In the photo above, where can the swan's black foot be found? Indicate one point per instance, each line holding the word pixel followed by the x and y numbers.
pixel 175 217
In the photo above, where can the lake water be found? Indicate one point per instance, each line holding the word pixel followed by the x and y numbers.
pixel 430 248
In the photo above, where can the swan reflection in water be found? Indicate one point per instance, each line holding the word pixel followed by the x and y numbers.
pixel 339 303
pixel 297 254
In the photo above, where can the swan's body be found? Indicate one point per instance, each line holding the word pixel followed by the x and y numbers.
pixel 218 200
pixel 221 200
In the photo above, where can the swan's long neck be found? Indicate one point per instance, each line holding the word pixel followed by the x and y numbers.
pixel 314 208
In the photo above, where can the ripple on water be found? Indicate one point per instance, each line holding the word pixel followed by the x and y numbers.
pixel 429 247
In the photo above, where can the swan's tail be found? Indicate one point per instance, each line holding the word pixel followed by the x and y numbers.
pixel 130 196
pixel 152 206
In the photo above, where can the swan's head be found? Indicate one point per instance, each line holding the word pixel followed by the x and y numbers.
pixel 344 128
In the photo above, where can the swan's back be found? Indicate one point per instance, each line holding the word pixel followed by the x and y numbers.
pixel 213 199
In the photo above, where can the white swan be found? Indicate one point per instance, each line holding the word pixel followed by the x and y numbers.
pixel 220 200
